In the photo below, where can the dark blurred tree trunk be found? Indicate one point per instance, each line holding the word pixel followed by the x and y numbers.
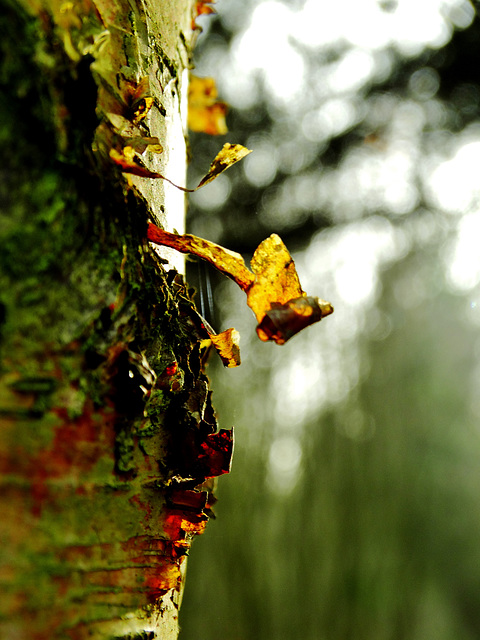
pixel 107 438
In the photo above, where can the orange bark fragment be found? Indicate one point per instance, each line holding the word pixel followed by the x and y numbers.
pixel 216 453
pixel 141 109
pixel 228 262
pixel 141 99
pixel 178 524
pixel 228 155
pixel 283 321
pixel 205 113
pixel 202 7
pixel 276 297
pixel 227 346
pixel 276 279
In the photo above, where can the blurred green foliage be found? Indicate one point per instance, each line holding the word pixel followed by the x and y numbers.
pixel 375 537
pixel 379 539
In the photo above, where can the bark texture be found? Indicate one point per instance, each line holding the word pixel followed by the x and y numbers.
pixel 108 440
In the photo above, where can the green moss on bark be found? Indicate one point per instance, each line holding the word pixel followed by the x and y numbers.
pixel 104 408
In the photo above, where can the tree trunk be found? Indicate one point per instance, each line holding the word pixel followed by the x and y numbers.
pixel 108 441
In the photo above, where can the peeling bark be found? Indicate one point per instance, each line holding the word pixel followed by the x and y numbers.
pixel 108 439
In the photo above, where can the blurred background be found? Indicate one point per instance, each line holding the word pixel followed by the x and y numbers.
pixel 353 507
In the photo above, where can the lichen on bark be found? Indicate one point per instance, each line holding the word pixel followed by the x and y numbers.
pixel 108 439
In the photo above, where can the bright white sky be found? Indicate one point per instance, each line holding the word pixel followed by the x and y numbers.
pixel 270 41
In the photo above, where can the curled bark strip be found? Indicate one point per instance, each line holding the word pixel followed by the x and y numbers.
pixel 225 158
pixel 228 262
pixel 274 293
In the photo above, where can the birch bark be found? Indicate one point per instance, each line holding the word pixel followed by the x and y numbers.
pixel 108 440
